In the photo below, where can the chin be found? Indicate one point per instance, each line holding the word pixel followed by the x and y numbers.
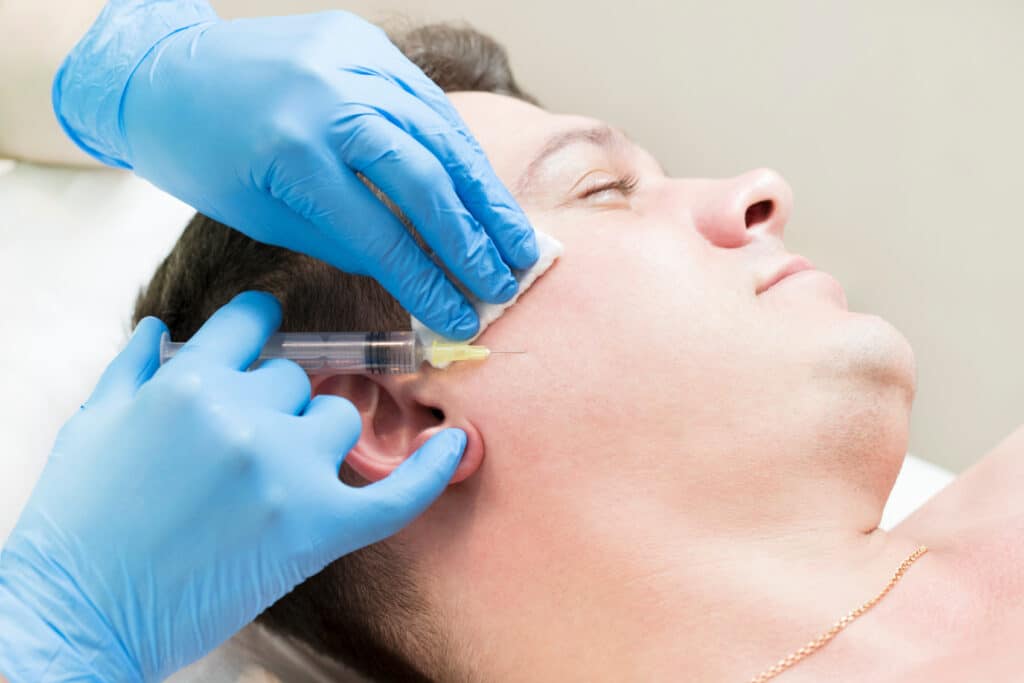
pixel 870 352
pixel 869 375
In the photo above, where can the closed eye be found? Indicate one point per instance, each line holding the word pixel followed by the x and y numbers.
pixel 624 185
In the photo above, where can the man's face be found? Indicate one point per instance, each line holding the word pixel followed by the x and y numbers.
pixel 654 364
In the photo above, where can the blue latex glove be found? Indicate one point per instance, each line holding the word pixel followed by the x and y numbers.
pixel 262 124
pixel 174 509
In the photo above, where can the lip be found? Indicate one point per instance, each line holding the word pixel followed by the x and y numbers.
pixel 794 265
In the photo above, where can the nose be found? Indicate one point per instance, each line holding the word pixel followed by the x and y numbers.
pixel 735 208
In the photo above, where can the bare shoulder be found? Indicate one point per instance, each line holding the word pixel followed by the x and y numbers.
pixel 964 668
pixel 991 491
pixel 996 658
pixel 1012 447
pixel 976 524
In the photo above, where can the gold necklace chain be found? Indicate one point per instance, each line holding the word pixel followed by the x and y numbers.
pixel 822 640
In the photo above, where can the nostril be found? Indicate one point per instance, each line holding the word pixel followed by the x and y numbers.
pixel 759 213
pixel 438 414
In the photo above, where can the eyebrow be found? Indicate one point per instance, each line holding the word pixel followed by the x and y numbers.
pixel 602 136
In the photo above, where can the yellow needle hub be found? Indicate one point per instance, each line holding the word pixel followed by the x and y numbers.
pixel 447 352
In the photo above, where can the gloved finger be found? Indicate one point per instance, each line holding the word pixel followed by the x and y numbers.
pixel 426 293
pixel 278 384
pixel 235 333
pixel 403 495
pixel 335 424
pixel 416 182
pixel 134 365
pixel 389 254
pixel 432 120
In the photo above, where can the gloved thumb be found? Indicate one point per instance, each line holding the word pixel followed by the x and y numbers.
pixel 133 366
pixel 395 501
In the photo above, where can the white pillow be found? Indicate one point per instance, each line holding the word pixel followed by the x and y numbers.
pixel 76 246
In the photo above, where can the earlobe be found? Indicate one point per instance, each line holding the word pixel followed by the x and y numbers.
pixel 472 456
pixel 395 424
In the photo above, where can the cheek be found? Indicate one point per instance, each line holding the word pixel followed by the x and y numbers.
pixel 641 282
pixel 619 314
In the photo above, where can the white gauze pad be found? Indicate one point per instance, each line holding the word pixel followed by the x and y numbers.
pixel 549 249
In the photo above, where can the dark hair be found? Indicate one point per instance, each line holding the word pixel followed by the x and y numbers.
pixel 363 609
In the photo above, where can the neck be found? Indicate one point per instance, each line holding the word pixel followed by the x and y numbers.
pixel 748 610
pixel 686 603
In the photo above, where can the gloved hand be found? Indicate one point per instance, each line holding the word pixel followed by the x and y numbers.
pixel 174 509
pixel 263 123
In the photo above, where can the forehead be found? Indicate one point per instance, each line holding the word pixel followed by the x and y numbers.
pixel 509 130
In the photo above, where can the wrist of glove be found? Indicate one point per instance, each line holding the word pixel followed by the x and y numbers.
pixel 49 632
pixel 90 83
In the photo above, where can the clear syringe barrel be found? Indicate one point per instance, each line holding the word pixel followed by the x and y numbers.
pixel 375 353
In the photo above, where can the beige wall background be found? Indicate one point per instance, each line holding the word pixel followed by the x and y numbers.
pixel 897 124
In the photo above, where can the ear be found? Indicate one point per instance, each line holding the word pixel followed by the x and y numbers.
pixel 396 421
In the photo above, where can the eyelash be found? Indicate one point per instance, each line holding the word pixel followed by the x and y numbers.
pixel 624 184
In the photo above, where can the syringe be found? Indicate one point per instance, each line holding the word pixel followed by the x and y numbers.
pixel 374 353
